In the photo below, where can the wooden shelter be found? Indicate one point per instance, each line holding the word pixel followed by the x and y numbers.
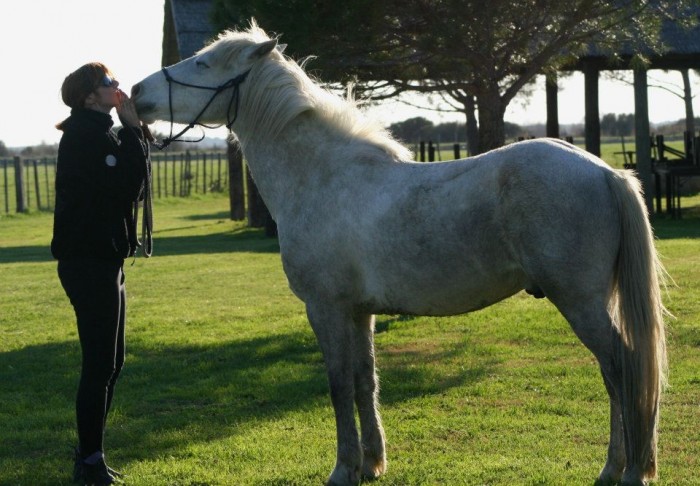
pixel 188 27
pixel 682 52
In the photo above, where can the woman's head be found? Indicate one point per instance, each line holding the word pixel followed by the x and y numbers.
pixel 86 80
pixel 90 86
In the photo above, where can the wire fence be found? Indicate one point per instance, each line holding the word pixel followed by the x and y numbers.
pixel 28 184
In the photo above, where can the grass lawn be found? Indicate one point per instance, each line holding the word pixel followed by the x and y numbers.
pixel 224 383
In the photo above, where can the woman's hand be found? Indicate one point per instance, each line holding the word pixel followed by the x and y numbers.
pixel 127 111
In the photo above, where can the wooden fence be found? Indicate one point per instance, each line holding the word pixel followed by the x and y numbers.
pixel 28 183
pixel 185 173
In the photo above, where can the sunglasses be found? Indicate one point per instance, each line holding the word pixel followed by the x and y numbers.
pixel 108 81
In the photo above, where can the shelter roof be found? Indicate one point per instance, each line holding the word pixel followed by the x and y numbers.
pixel 681 50
pixel 187 28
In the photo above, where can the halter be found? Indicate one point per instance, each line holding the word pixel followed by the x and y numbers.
pixel 233 83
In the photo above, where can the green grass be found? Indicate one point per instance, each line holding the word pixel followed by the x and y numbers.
pixel 224 383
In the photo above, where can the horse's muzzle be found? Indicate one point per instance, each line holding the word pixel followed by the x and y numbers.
pixel 143 109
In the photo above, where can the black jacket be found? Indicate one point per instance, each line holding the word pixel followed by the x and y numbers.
pixel 99 179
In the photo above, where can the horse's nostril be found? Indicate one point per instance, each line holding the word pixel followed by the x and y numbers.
pixel 135 89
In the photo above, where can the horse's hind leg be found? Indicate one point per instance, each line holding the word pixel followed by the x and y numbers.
pixel 615 464
pixel 334 330
pixel 592 324
pixel 366 398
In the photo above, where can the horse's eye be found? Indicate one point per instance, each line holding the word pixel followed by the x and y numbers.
pixel 201 64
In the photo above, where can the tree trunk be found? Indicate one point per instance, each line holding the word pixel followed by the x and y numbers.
pixel 688 99
pixel 492 132
pixel 235 181
pixel 472 126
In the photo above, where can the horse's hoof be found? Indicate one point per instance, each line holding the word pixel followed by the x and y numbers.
pixel 372 467
pixel 632 477
pixel 609 475
pixel 632 482
pixel 344 476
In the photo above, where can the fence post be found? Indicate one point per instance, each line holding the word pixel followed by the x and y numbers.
pixel 36 184
pixel 7 195
pixel 27 188
pixel 455 149
pixel 155 167
pixel 219 184
pixel 182 175
pixel 174 173
pixel 19 185
pixel 204 172
pixel 188 173
pixel 195 178
pixel 48 186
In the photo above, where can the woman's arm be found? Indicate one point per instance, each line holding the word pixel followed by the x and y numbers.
pixel 133 147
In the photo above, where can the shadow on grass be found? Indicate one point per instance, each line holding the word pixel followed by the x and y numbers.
pixel 175 395
pixel 243 240
pixel 25 254
pixel 688 226
pixel 203 217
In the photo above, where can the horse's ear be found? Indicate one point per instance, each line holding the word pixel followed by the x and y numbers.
pixel 261 50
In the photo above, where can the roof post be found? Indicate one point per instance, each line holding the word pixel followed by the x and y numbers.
pixel 642 135
pixel 590 73
pixel 552 91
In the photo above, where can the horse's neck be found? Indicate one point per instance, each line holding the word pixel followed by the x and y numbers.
pixel 284 166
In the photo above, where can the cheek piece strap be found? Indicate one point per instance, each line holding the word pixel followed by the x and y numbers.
pixel 231 115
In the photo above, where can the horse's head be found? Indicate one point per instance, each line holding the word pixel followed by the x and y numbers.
pixel 180 92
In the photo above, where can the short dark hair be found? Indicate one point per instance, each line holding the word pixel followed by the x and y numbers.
pixel 80 83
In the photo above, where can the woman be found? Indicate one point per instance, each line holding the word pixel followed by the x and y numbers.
pixel 99 180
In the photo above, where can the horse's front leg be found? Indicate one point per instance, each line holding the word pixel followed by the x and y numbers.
pixel 334 330
pixel 367 400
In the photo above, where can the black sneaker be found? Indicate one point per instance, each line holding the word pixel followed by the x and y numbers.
pixel 96 474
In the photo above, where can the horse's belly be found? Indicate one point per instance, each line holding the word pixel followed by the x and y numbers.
pixel 443 293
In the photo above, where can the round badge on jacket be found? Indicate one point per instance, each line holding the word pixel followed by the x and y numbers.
pixel 111 160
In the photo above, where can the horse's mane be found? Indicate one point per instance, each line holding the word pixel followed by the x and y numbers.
pixel 278 90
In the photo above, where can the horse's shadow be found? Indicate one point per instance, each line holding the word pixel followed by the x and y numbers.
pixel 211 391
pixel 236 240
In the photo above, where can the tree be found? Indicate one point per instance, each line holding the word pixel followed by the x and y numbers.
pixel 617 125
pixel 4 151
pixel 413 129
pixel 463 49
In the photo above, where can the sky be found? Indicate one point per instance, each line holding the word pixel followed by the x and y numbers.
pixel 42 41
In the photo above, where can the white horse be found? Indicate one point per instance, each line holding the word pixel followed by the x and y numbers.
pixel 364 231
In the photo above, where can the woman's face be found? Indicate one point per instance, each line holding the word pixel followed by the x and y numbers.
pixel 106 95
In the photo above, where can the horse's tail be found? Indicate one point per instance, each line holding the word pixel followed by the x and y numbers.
pixel 640 348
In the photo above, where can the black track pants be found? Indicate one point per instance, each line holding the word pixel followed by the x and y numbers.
pixel 97 292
